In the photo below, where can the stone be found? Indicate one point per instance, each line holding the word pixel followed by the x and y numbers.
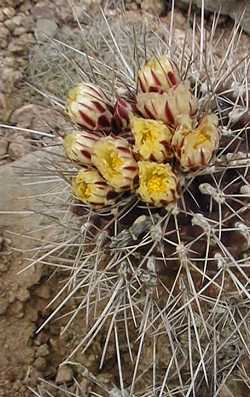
pixel 9 12
pixel 3 307
pixel 40 363
pixel 226 7
pixel 23 294
pixel 4 32
pixel 64 374
pixel 19 30
pixel 156 7
pixel 3 142
pixel 45 28
pixel 14 22
pixel 42 351
pixel 43 291
pixel 17 149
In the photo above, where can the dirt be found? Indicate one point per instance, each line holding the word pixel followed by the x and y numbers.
pixel 26 356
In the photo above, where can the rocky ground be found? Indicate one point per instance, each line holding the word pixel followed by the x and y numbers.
pixel 27 357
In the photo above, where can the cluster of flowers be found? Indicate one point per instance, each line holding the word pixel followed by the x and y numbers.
pixel 164 138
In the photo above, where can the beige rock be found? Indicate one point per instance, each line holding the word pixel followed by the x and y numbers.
pixel 64 374
pixel 226 7
pixel 4 32
pixel 156 7
pixel 9 12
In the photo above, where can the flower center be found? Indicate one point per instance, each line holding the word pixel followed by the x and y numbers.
pixel 157 184
pixel 148 136
pixel 114 161
pixel 85 190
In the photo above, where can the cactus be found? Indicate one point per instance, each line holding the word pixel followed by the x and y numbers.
pixel 159 266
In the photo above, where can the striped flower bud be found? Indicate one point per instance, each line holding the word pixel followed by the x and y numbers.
pixel 158 184
pixel 89 187
pixel 78 146
pixel 152 139
pixel 158 75
pixel 122 109
pixel 171 108
pixel 114 160
pixel 194 148
pixel 87 106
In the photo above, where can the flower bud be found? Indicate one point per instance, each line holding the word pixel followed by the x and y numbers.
pixel 122 109
pixel 89 187
pixel 152 139
pixel 158 184
pixel 171 108
pixel 87 106
pixel 114 160
pixel 78 146
pixel 194 148
pixel 158 75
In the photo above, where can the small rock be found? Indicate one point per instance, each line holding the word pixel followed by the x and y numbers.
pixel 17 150
pixel 156 7
pixel 2 17
pixel 19 31
pixel 3 307
pixel 23 295
pixel 3 44
pixel 3 141
pixel 43 291
pixel 40 363
pixel 64 374
pixel 12 23
pixel 42 351
pixel 9 12
pixel 17 309
pixel 45 28
pixel 4 33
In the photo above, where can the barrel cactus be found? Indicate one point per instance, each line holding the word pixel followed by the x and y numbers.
pixel 157 182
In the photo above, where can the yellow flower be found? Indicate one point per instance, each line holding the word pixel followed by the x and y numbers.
pixel 158 75
pixel 114 160
pixel 152 139
pixel 89 187
pixel 172 108
pixel 158 184
pixel 194 148
pixel 87 106
pixel 78 146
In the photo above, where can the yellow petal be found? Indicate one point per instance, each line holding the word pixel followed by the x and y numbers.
pixel 152 139
pixel 158 184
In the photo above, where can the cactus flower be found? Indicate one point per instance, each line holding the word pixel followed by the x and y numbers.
pixel 122 109
pixel 194 148
pixel 152 139
pixel 171 108
pixel 158 184
pixel 114 160
pixel 78 146
pixel 89 187
pixel 87 106
pixel 158 75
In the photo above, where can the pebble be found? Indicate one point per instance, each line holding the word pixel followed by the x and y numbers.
pixel 43 291
pixel 4 143
pixel 42 351
pixel 45 28
pixel 40 363
pixel 3 307
pixel 8 12
pixel 64 375
pixel 23 295
pixel 17 150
